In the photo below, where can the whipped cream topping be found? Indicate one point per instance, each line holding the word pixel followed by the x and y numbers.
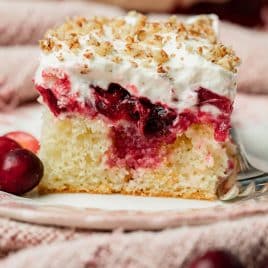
pixel 166 67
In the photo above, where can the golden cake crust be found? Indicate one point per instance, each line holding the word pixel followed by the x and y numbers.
pixel 182 193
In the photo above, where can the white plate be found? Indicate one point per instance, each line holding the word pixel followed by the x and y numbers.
pixel 103 212
pixel 123 202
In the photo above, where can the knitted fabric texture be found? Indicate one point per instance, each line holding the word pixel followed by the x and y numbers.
pixel 246 238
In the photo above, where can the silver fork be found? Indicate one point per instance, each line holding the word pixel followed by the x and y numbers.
pixel 252 181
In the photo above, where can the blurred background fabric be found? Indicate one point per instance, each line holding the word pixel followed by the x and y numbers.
pixel 247 12
pixel 24 22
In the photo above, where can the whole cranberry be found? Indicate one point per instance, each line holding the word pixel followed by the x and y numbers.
pixel 216 259
pixel 6 145
pixel 20 171
pixel 26 140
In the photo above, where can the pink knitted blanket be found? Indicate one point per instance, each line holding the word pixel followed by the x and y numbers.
pixel 54 247
pixel 25 22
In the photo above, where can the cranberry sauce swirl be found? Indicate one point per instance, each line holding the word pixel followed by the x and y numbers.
pixel 139 127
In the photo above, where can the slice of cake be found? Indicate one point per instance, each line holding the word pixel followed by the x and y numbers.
pixel 138 107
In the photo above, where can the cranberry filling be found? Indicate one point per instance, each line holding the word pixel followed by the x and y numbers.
pixel 59 97
pixel 140 127
pixel 136 143
pixel 50 99
pixel 207 97
pixel 159 121
pixel 117 104
pixel 132 149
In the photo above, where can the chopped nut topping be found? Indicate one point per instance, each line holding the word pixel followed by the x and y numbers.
pixel 223 56
pixel 160 56
pixel 93 42
pixel 200 50
pixel 181 28
pixel 120 23
pixel 134 50
pixel 190 49
pixel 155 27
pixel 141 35
pixel 117 59
pixel 80 21
pixel 47 45
pixel 134 64
pixel 146 64
pixel 104 49
pixel 89 55
pixel 143 40
pixel 160 69
pixel 129 39
pixel 84 69
pixel 60 57
pixel 73 41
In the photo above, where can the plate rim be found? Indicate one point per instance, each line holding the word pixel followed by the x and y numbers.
pixel 99 219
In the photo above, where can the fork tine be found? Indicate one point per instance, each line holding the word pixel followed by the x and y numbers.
pixel 250 174
pixel 248 189
pixel 262 179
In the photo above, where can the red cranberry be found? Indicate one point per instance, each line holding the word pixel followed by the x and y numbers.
pixel 133 109
pixel 216 259
pixel 26 140
pixel 118 92
pixel 159 120
pixel 6 145
pixel 115 102
pixel 20 171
